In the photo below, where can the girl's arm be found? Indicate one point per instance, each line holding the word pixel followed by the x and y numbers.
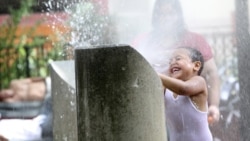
pixel 193 86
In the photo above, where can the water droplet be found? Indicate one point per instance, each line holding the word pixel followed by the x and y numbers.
pixel 72 103
pixel 136 83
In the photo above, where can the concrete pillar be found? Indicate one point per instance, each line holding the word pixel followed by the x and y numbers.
pixel 64 101
pixel 119 96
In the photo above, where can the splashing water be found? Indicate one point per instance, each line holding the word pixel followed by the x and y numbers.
pixel 86 25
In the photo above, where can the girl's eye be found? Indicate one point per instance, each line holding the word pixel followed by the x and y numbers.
pixel 178 58
pixel 174 59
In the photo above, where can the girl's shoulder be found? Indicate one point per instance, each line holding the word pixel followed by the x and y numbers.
pixel 200 80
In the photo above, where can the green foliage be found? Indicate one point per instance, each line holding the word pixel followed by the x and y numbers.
pixel 22 55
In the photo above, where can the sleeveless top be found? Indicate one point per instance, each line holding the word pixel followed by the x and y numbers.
pixel 184 121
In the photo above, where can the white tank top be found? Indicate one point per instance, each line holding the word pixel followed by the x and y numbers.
pixel 184 121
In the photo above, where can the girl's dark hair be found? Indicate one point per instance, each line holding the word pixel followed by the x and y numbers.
pixel 195 55
pixel 175 4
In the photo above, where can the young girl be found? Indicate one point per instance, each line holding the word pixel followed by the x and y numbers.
pixel 186 97
pixel 169 32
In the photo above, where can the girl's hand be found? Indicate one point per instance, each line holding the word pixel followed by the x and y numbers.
pixel 213 114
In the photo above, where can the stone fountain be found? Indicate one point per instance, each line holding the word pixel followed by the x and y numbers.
pixel 107 93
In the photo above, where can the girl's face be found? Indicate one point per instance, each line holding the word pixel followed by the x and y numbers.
pixel 181 65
